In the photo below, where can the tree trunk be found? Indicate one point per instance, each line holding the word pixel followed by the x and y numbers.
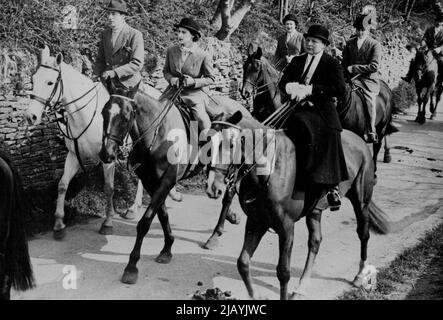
pixel 229 23
pixel 283 7
pixel 410 9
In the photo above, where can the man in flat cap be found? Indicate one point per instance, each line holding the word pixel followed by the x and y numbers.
pixel 121 52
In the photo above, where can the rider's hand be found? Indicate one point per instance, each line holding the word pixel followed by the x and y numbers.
pixel 188 81
pixel 108 74
pixel 349 69
pixel 289 58
pixel 174 82
pixel 292 88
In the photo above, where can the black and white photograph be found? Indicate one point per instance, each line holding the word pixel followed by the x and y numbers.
pixel 238 151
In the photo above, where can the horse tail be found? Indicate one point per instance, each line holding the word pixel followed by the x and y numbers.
pixel 18 264
pixel 378 220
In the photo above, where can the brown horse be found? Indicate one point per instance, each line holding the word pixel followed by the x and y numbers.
pixel 260 80
pixel 274 205
pixel 425 71
pixel 15 265
pixel 150 123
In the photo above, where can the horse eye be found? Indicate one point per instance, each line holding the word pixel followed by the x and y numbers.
pixel 50 83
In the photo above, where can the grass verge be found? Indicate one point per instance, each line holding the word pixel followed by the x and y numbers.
pixel 415 274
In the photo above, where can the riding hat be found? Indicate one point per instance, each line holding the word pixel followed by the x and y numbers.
pixel 189 24
pixel 318 31
pixel 290 16
pixel 117 6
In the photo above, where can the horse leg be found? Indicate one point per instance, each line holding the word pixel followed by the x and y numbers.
pixel 130 273
pixel 376 149
pixel 313 222
pixel 132 212
pixel 387 157
pixel 439 91
pixel 212 242
pixel 70 169
pixel 286 239
pixel 108 173
pixel 165 255
pixel 362 216
pixel 253 234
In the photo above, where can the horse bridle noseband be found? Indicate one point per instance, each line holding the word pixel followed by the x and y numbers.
pixel 58 107
pixel 47 103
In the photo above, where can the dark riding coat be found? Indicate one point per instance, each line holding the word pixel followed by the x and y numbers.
pixel 316 129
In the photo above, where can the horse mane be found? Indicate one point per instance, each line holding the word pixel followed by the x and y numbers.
pixel 18 265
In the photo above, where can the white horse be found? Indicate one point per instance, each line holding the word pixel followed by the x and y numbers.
pixel 57 85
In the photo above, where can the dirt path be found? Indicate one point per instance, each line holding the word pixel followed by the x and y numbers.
pixel 409 189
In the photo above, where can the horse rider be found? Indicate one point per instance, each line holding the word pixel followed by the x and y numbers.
pixel 432 41
pixel 361 61
pixel 186 63
pixel 314 80
pixel 121 52
pixel 290 44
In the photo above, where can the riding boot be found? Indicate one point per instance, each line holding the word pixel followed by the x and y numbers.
pixel 372 135
pixel 334 198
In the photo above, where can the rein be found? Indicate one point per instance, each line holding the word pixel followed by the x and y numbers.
pixel 59 107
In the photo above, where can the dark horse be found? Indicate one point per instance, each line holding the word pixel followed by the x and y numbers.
pixel 154 128
pixel 15 265
pixel 277 208
pixel 425 70
pixel 260 81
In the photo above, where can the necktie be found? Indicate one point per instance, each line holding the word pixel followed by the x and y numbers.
pixel 302 79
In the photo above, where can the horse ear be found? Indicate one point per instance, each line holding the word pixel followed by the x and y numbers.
pixel 235 118
pixel 59 58
pixel 44 54
pixel 250 50
pixel 259 53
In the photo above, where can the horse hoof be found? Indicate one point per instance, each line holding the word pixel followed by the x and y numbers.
pixel 59 234
pixel 211 244
pixel 130 276
pixel 105 230
pixel 387 159
pixel 233 217
pixel 164 257
pixel 128 215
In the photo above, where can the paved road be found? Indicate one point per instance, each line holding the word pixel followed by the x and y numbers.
pixel 409 189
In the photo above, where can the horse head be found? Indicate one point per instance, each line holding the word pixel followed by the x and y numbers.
pixel 225 146
pixel 118 117
pixel 252 72
pixel 47 89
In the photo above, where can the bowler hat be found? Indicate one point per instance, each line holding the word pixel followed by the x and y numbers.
pixel 318 31
pixel 117 6
pixel 359 22
pixel 190 24
pixel 290 16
